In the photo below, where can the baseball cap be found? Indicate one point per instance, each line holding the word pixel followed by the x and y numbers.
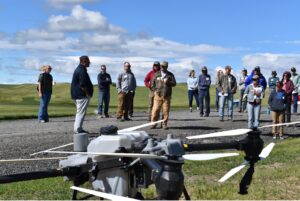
pixel 164 63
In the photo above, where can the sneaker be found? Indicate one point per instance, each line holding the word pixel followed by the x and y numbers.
pixel 198 108
pixel 107 116
pixel 120 119
pixel 206 115
pixel 127 119
pixel 81 131
pixel 153 127
pixel 274 137
pixel 239 111
pixel 191 109
pixel 281 138
pixel 42 121
pixel 221 119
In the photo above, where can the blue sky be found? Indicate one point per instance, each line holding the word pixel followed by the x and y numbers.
pixel 187 33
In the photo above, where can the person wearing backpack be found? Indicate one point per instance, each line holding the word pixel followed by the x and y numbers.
pixel 44 90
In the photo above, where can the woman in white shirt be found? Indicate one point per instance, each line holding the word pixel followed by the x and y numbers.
pixel 192 83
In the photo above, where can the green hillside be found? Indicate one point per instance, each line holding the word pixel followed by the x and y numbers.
pixel 22 101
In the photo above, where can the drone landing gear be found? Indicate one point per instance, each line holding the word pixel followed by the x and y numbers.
pixel 246 181
pixel 185 193
pixel 74 196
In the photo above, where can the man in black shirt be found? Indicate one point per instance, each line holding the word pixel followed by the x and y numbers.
pixel 81 92
pixel 45 90
pixel 104 82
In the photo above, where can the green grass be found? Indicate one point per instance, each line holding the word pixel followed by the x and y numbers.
pixel 277 177
pixel 22 101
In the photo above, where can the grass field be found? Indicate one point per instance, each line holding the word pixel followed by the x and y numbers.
pixel 277 177
pixel 22 101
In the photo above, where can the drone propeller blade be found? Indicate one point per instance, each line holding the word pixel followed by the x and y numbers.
pixel 266 151
pixel 206 157
pixel 30 159
pixel 281 124
pixel 221 134
pixel 140 126
pixel 129 155
pixel 102 195
pixel 233 171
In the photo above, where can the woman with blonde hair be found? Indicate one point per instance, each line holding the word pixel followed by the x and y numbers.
pixel 219 75
pixel 44 90
pixel 192 84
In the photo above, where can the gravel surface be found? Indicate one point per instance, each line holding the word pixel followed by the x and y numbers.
pixel 19 138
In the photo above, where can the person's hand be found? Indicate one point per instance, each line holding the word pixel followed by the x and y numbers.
pixel 40 94
pixel 223 92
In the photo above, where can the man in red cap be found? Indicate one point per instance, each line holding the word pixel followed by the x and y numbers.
pixel 147 81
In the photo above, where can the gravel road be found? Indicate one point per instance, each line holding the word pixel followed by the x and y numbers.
pixel 19 138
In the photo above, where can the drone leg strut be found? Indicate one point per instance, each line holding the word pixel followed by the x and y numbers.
pixel 185 193
pixel 74 195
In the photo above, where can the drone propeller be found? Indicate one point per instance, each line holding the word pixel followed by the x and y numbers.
pixel 140 126
pixel 129 155
pixel 206 157
pixel 30 159
pixel 102 195
pixel 234 132
pixel 264 154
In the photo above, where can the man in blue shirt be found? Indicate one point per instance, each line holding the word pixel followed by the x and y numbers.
pixel 204 82
pixel 262 80
pixel 81 92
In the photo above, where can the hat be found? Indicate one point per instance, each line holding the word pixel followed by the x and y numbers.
pixel 244 69
pixel 228 67
pixel 156 63
pixel 164 63
pixel 257 68
pixel 255 77
pixel 293 69
pixel 204 68
pixel 274 72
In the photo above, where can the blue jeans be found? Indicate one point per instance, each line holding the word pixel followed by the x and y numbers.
pixel 204 94
pixel 253 115
pixel 217 99
pixel 103 97
pixel 295 102
pixel 229 100
pixel 191 94
pixel 44 102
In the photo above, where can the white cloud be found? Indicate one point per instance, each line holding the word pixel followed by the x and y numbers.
pixel 269 62
pixel 82 20
pixel 37 34
pixel 65 3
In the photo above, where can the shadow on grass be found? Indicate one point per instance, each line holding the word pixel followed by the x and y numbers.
pixel 194 128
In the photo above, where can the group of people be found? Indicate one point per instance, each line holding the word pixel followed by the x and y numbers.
pixel 283 94
pixel 160 81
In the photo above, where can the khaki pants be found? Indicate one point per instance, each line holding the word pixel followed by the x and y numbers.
pixel 164 103
pixel 124 101
pixel 151 100
pixel 277 117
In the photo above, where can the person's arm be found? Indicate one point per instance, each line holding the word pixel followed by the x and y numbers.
pixel 147 80
pixel 246 92
pixel 270 99
pixel 134 82
pixel 109 79
pixel 118 83
pixel 234 85
pixel 40 90
pixel 207 81
pixel 171 80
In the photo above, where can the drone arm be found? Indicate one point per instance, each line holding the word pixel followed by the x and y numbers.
pixel 212 146
pixel 38 175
